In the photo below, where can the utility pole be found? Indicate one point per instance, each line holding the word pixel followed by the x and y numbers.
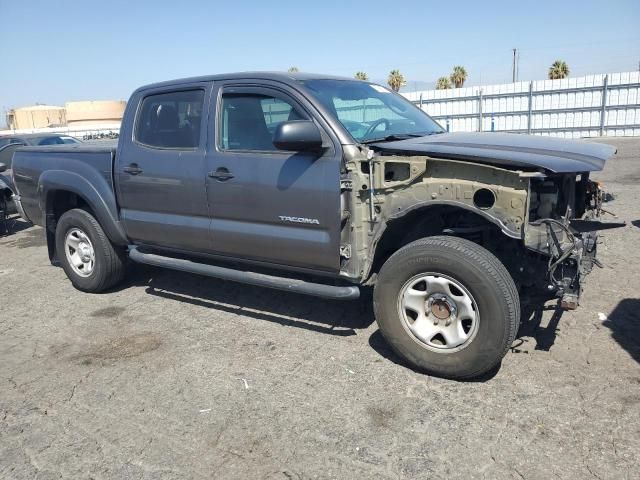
pixel 514 66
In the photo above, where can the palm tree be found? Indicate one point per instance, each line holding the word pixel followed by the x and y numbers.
pixel 293 70
pixel 361 76
pixel 558 70
pixel 458 76
pixel 443 83
pixel 396 80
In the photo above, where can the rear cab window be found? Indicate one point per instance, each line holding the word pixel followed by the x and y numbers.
pixel 170 120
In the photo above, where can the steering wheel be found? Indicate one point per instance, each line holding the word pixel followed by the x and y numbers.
pixel 375 125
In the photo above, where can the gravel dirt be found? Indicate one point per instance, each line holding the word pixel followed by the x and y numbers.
pixel 176 376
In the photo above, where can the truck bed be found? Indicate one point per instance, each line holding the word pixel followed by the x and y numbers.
pixel 93 163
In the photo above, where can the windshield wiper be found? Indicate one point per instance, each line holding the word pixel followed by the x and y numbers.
pixel 393 137
pixel 397 136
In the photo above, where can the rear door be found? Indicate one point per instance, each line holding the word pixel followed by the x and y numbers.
pixel 160 169
pixel 266 204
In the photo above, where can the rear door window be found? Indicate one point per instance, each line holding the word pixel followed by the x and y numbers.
pixel 170 120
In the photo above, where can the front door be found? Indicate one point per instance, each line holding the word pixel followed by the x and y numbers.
pixel 266 204
pixel 161 172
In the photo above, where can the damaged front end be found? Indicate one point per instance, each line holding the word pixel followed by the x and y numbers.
pixel 539 215
pixel 564 217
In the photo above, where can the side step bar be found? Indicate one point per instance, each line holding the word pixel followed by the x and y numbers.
pixel 252 278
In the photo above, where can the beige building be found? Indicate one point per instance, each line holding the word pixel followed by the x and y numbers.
pixel 94 113
pixel 36 116
pixel 73 114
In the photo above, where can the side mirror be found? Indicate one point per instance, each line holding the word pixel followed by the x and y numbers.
pixel 297 136
pixel 3 167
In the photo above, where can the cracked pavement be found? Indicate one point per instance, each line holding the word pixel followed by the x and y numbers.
pixel 178 376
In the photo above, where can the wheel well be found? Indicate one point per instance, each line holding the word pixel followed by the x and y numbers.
pixel 59 202
pixel 437 220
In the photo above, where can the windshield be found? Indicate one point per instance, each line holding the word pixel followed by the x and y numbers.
pixel 371 112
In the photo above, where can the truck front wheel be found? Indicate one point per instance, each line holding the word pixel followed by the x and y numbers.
pixel 447 306
pixel 90 260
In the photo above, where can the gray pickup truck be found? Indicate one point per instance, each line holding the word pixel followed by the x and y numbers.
pixel 325 186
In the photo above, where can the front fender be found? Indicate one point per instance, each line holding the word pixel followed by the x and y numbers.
pixel 93 189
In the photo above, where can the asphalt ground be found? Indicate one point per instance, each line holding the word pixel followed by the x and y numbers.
pixel 174 376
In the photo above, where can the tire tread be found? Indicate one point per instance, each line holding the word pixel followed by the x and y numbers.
pixel 115 261
pixel 470 251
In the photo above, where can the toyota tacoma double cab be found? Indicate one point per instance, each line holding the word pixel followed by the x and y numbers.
pixel 326 186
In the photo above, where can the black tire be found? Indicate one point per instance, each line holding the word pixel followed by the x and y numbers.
pixel 110 261
pixel 485 278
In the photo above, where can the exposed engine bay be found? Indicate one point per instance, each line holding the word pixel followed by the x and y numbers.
pixel 542 225
pixel 564 216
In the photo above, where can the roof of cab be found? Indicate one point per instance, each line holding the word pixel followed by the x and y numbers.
pixel 285 77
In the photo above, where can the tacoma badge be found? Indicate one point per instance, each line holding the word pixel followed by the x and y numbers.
pixel 312 221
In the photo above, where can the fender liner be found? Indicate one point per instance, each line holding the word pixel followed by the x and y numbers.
pixel 382 227
pixel 483 213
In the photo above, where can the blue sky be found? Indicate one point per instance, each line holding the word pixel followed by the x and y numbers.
pixel 57 51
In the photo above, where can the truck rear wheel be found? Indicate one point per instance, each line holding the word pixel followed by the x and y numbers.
pixel 447 306
pixel 90 260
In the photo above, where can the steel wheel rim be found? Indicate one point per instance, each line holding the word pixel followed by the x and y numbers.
pixel 79 252
pixel 439 312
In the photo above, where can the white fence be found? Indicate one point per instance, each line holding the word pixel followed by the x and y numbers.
pixel 595 105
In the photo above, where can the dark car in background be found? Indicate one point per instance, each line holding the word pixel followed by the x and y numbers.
pixel 8 145
pixel 7 189
pixel 36 139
